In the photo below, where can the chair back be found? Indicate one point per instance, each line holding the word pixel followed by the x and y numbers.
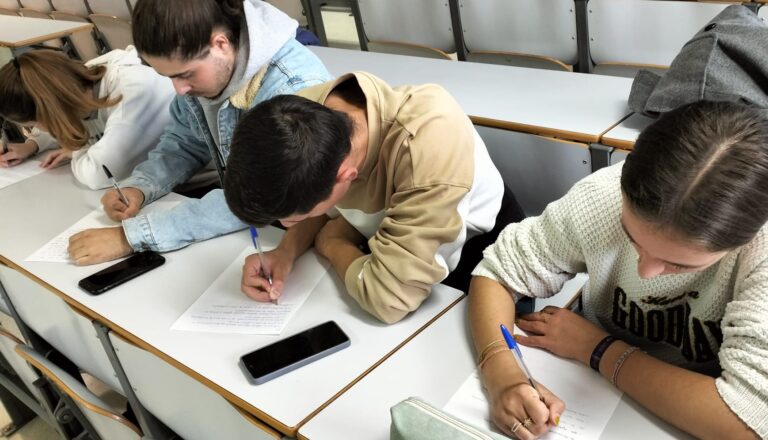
pixel 116 32
pixel 107 422
pixel 83 41
pixel 116 8
pixel 37 5
pixel 12 5
pixel 643 33
pixel 27 375
pixel 526 33
pixel 74 7
pixel 412 24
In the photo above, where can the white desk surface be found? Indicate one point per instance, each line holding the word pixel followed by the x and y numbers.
pixel 571 106
pixel 25 31
pixel 625 134
pixel 143 310
pixel 432 366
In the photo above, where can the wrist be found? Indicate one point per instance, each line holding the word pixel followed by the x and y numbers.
pixel 502 371
pixel 593 357
pixel 30 148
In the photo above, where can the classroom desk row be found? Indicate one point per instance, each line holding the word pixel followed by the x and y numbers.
pixel 555 120
pixel 194 380
pixel 142 311
pixel 346 395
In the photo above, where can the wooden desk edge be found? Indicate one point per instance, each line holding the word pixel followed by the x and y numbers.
pixel 132 339
pixel 239 403
pixel 534 129
pixel 37 40
pixel 621 144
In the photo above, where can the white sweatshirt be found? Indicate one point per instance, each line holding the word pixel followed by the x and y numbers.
pixel 713 321
pixel 121 135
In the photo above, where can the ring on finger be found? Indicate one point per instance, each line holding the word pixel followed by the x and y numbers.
pixel 527 422
pixel 515 427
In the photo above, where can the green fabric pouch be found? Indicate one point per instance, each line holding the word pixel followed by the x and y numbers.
pixel 414 419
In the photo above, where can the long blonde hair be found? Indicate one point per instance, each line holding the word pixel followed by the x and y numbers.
pixel 47 87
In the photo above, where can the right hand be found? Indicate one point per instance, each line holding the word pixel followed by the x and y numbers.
pixel 116 209
pixel 278 263
pixel 98 245
pixel 514 400
pixel 517 402
pixel 17 153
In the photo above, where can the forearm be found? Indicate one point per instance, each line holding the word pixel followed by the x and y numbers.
pixel 489 306
pixel 683 398
pixel 297 239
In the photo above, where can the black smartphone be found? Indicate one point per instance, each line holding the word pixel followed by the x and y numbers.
pixel 288 354
pixel 121 272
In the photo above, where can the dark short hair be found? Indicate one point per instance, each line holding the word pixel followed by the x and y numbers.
pixel 183 28
pixel 701 171
pixel 284 158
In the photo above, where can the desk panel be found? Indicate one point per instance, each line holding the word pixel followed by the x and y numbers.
pixel 142 310
pixel 26 31
pixel 624 135
pixel 433 366
pixel 571 106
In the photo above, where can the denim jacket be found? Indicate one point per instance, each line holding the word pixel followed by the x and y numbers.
pixel 187 146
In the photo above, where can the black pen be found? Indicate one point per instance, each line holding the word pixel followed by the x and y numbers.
pixel 5 142
pixel 114 183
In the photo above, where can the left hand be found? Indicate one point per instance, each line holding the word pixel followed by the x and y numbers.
pixel 98 245
pixel 560 331
pixel 336 232
pixel 56 159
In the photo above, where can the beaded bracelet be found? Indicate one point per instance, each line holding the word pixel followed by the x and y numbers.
pixel 620 363
pixel 597 353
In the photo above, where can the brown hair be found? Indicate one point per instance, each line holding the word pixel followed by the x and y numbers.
pixel 47 87
pixel 183 28
pixel 701 171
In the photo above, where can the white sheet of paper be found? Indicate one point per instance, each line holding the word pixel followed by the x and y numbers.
pixel 589 399
pixel 25 170
pixel 55 251
pixel 223 308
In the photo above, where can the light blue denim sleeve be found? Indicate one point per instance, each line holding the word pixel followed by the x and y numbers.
pixel 179 154
pixel 293 68
pixel 190 221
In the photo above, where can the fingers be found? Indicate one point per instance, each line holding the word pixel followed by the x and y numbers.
pixel 116 209
pixel 98 245
pixel 536 327
pixel 10 159
pixel 521 413
pixel 51 160
pixel 254 284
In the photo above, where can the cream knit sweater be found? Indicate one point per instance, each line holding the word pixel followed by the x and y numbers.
pixel 714 321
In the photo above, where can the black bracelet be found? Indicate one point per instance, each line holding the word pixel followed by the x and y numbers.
pixel 597 353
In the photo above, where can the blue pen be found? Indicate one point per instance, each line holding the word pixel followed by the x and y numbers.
pixel 512 344
pixel 257 245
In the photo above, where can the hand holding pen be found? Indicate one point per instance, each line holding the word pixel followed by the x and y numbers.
pixel 517 410
pixel 263 267
pixel 114 184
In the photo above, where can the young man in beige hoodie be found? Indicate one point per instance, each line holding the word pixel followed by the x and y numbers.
pixel 403 171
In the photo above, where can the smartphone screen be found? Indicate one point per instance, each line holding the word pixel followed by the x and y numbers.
pixel 121 272
pixel 293 352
